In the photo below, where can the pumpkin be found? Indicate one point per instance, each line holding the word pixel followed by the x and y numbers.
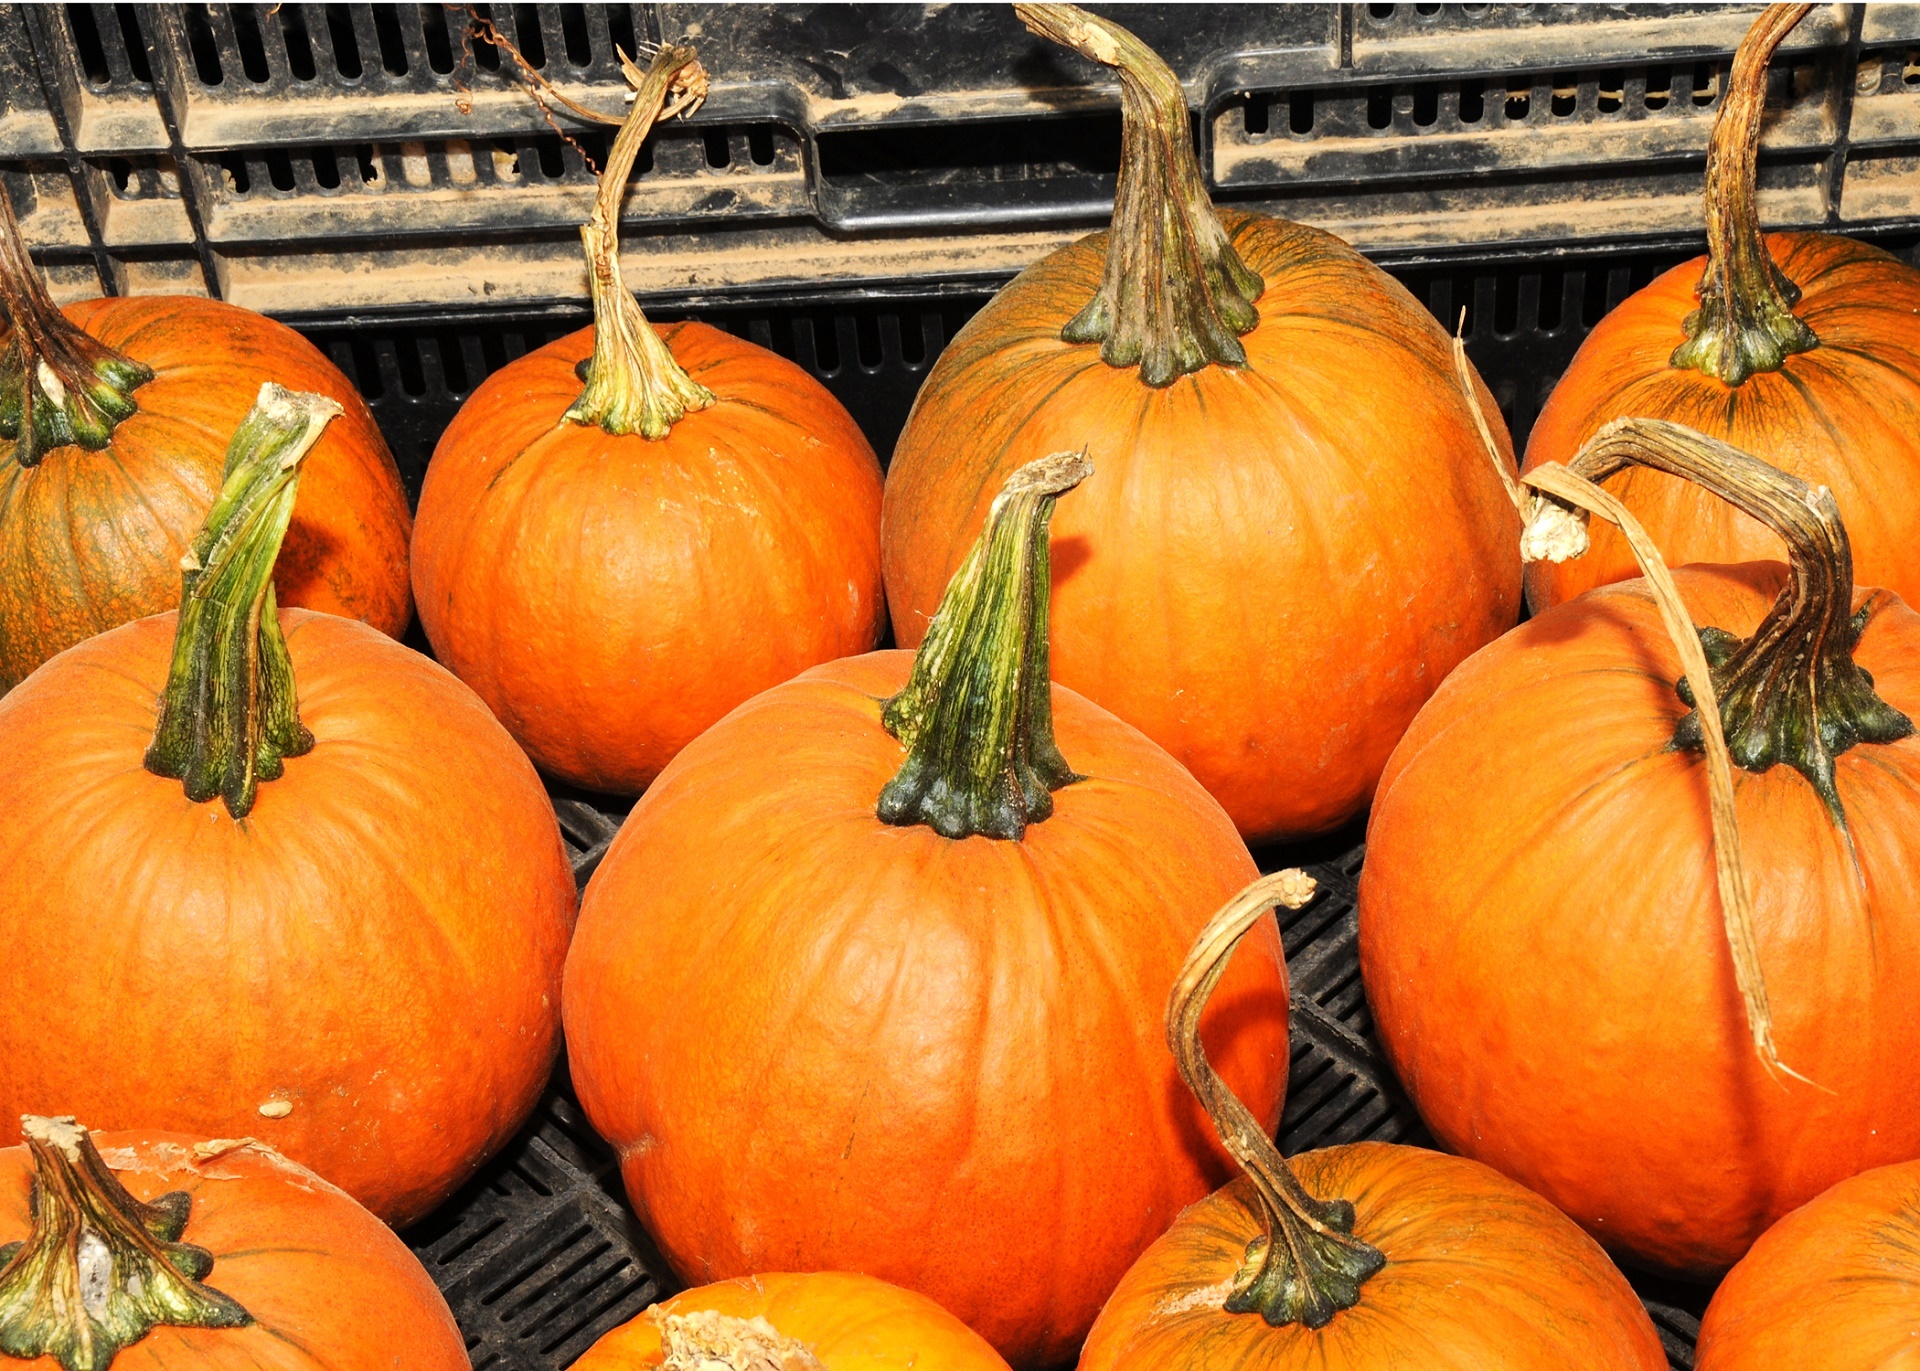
pixel 612 570
pixel 826 1321
pixel 356 956
pixel 868 979
pixel 114 420
pixel 1541 929
pixel 1831 1285
pixel 1284 557
pixel 1801 348
pixel 1411 1259
pixel 148 1250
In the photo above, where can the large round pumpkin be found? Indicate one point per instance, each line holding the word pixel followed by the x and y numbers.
pixel 363 969
pixel 827 1321
pixel 833 1021
pixel 1284 555
pixel 1827 388
pixel 613 571
pixel 1541 931
pixel 1832 1285
pixel 221 1256
pixel 1361 1257
pixel 91 532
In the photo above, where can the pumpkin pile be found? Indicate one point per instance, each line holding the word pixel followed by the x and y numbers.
pixel 907 994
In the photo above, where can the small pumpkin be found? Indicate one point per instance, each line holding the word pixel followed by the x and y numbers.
pixel 1285 556
pixel 1832 1285
pixel 1412 1258
pixel 612 569
pixel 141 1251
pixel 114 421
pixel 869 979
pixel 1541 928
pixel 1800 348
pixel 825 1321
pixel 355 957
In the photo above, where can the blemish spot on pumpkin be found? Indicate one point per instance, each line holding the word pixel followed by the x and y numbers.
pixel 276 1109
pixel 702 1340
pixel 1206 1297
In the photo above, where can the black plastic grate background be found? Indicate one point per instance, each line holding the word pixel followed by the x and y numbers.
pixel 1524 321
pixel 539 1255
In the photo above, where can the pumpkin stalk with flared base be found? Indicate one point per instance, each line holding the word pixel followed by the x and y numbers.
pixel 1175 295
pixel 229 715
pixel 633 385
pixel 58 384
pixel 976 717
pixel 1789 692
pixel 1745 322
pixel 100 1269
pixel 1308 1265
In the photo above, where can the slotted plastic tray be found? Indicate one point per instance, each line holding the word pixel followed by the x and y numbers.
pixel 252 150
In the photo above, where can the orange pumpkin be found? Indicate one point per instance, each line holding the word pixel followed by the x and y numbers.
pixel 828 1321
pixel 1832 1285
pixel 358 959
pixel 1541 930
pixel 1801 348
pixel 1284 556
pixel 126 407
pixel 143 1251
pixel 1415 1259
pixel 836 1021
pixel 614 570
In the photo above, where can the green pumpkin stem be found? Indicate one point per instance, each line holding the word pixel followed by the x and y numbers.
pixel 229 715
pixel 1790 692
pixel 1745 323
pixel 1308 1266
pixel 976 716
pixel 1175 296
pixel 633 385
pixel 58 386
pixel 100 1269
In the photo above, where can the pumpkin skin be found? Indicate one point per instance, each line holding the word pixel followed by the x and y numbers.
pixel 611 597
pixel 1845 415
pixel 851 1323
pixel 949 1071
pixel 1831 1285
pixel 1481 1275
pixel 379 944
pixel 1273 571
pixel 92 540
pixel 329 1286
pixel 1543 944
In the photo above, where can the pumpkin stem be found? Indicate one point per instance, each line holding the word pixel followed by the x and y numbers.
pixel 57 384
pixel 100 1269
pixel 703 1340
pixel 228 715
pixel 1308 1266
pixel 1175 296
pixel 1791 691
pixel 976 716
pixel 1745 322
pixel 633 385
